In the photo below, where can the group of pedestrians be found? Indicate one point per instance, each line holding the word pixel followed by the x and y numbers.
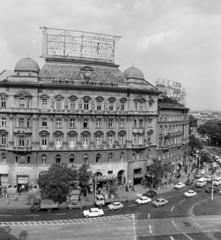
pixel 129 186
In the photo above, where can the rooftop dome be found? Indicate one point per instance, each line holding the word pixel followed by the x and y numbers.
pixel 133 72
pixel 27 65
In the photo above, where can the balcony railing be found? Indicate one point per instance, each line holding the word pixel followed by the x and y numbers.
pixel 22 148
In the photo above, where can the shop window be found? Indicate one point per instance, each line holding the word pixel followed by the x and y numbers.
pixel 44 159
pixel 72 123
pixel 3 102
pixel 110 157
pixel 3 158
pixel 98 158
pixel 58 159
pixel 44 103
pixel 85 123
pixel 71 159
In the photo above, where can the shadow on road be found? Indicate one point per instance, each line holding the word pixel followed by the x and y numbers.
pixel 5 234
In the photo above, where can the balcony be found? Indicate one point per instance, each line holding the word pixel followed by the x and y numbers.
pixel 138 146
pixel 3 146
pixel 22 149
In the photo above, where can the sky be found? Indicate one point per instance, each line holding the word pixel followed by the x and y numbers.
pixel 178 40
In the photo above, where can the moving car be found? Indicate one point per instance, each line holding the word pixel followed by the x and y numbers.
pixel 209 190
pixel 143 200
pixel 179 185
pixel 115 206
pixel 160 202
pixel 189 182
pixel 93 212
pixel 72 205
pixel 189 193
pixel 150 194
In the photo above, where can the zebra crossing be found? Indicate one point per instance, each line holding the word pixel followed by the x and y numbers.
pixel 125 217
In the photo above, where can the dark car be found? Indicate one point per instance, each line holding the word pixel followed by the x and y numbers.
pixel 73 205
pixel 209 190
pixel 189 182
pixel 150 194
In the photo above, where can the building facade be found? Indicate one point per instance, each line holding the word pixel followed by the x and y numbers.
pixel 172 132
pixel 76 112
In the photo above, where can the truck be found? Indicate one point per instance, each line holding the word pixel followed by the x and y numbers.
pixel 104 198
pixel 39 204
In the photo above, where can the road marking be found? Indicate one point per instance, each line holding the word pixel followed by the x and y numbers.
pixel 134 224
pixel 132 205
pixel 175 224
pixel 172 208
pixel 150 229
pixel 169 196
pixel 187 236
pixel 148 215
pixel 182 200
pixel 33 215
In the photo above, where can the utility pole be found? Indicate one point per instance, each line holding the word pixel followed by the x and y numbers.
pixel 212 189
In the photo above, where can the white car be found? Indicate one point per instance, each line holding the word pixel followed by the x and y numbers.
pixel 208 178
pixel 93 212
pixel 179 185
pixel 115 205
pixel 160 202
pixel 189 193
pixel 143 200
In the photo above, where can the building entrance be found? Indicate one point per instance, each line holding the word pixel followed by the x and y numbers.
pixel 22 183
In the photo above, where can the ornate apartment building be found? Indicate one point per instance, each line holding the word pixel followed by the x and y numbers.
pixel 76 112
pixel 172 132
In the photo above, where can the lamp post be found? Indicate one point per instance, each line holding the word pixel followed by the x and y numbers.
pixel 212 189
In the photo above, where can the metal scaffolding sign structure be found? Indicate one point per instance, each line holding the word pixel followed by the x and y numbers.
pixel 171 89
pixel 71 44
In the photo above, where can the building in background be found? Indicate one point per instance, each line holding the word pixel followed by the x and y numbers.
pixel 79 108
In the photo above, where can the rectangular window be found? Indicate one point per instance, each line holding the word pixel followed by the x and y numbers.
pixel 44 103
pixel 72 105
pixel 85 124
pixel 141 107
pixel 98 140
pixel 3 139
pixel 28 143
pixel 110 172
pixel 121 139
pixel 135 139
pixel 165 129
pixel 3 122
pixel 135 123
pixel 149 140
pixel 85 142
pixel 111 106
pixel 135 105
pixel 44 142
pixel 21 142
pixel 98 123
pixel 110 123
pixel 28 159
pixel 44 122
pixel 161 128
pixel 140 123
pixel 72 142
pixel 21 122
pixel 99 106
pixel 150 123
pixel 122 107
pixel 86 104
pixel 28 122
pixel 3 102
pixel 72 123
pixel 140 139
pixel 58 142
pixel 110 139
pixel 21 102
pixel 121 123
pixel 58 123
pixel 58 104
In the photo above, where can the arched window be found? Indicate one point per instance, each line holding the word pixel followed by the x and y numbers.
pixel 44 159
pixel 3 158
pixel 98 158
pixel 85 158
pixel 58 159
pixel 72 159
pixel 122 157
pixel 110 157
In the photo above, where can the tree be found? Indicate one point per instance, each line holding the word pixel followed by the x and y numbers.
pixel 194 142
pixel 156 172
pixel 84 178
pixel 192 122
pixel 56 181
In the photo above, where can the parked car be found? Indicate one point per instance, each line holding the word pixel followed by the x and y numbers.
pixel 143 200
pixel 93 212
pixel 189 182
pixel 150 194
pixel 217 181
pixel 208 178
pixel 198 175
pixel 189 193
pixel 179 185
pixel 115 206
pixel 160 202
pixel 201 182
pixel 209 190
pixel 73 205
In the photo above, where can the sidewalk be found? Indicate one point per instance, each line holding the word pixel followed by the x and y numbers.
pixel 23 201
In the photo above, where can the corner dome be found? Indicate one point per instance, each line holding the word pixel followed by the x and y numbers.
pixel 27 65
pixel 133 72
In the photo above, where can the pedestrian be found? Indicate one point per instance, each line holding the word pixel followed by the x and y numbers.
pixel 16 197
pixel 126 188
pixel 7 200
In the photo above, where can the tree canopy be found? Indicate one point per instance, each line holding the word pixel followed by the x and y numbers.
pixel 84 177
pixel 212 129
pixel 56 181
pixel 193 121
pixel 194 142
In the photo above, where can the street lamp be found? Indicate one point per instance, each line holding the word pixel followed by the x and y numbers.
pixel 212 188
